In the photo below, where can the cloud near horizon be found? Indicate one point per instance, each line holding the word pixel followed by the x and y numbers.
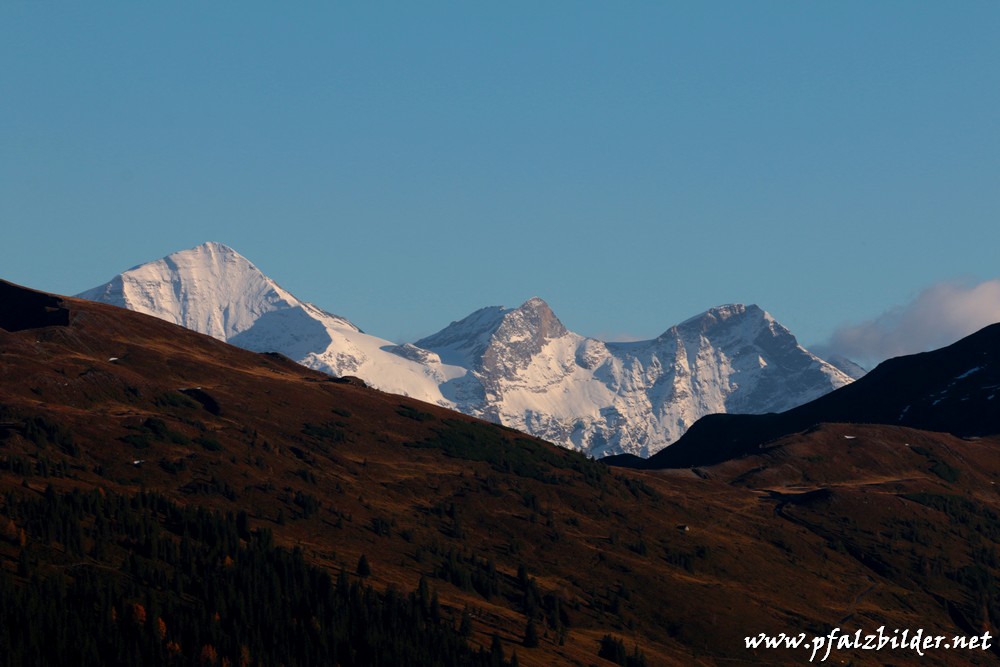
pixel 938 316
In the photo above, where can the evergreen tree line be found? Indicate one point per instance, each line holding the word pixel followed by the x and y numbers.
pixel 613 649
pixel 106 579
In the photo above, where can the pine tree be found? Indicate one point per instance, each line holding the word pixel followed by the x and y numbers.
pixel 364 569
pixel 496 651
pixel 465 629
pixel 530 634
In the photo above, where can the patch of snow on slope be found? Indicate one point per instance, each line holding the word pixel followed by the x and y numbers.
pixel 520 367
pixel 216 291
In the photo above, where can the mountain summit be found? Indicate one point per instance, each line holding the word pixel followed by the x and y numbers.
pixel 481 338
pixel 528 371
pixel 210 288
pixel 952 389
pixel 520 367
pixel 111 473
pixel 214 290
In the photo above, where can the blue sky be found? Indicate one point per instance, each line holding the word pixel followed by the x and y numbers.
pixel 403 164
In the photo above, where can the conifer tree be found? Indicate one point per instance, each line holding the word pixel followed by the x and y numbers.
pixel 496 651
pixel 530 634
pixel 364 569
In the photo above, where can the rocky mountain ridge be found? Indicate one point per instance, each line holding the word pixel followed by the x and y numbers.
pixel 520 367
pixel 116 428
pixel 954 389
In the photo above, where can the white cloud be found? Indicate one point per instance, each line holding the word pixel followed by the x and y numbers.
pixel 939 316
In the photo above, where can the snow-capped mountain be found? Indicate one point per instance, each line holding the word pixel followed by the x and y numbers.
pixel 953 389
pixel 529 372
pixel 520 367
pixel 216 291
pixel 845 365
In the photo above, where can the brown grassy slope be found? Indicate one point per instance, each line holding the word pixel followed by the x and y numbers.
pixel 331 467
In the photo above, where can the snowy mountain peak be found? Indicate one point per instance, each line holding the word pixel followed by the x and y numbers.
pixel 845 365
pixel 520 366
pixel 207 254
pixel 213 289
pixel 463 342
pixel 535 303
pixel 467 341
pixel 538 318
pixel 521 335
pixel 213 247
pixel 210 288
pixel 723 315
pixel 482 322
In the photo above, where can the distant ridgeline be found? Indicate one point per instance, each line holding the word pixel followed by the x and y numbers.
pixel 520 367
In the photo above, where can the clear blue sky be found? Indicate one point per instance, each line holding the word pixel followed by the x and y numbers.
pixel 405 163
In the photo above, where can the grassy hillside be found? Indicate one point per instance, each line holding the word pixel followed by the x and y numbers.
pixel 493 538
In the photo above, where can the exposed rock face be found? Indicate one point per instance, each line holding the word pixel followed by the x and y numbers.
pixel 520 367
pixel 954 389
pixel 528 371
